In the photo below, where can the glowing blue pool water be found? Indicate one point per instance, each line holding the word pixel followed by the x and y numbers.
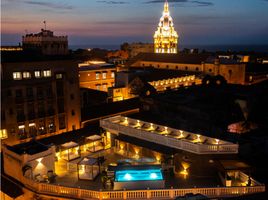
pixel 138 175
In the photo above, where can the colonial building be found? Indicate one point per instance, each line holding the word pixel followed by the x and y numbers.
pixel 232 71
pixel 136 82
pixel 45 43
pixel 165 37
pixel 39 99
pixel 136 48
pixel 97 76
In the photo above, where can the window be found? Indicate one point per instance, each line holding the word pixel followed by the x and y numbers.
pixel 62 124
pixel 73 113
pixel 47 73
pixel 29 92
pixel 40 92
pixel 167 66
pixel 177 67
pixel 98 87
pixel 3 134
pixel 104 75
pixel 104 86
pixel 210 70
pixel 197 69
pixel 26 75
pixel 112 74
pixel 97 76
pixel 186 68
pixel 37 74
pixel 58 76
pixel 17 75
pixel 18 93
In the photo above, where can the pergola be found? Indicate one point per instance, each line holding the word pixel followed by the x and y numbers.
pixel 88 168
pixel 70 151
pixel 94 143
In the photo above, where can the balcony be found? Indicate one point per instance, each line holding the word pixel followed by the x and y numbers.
pixel 178 139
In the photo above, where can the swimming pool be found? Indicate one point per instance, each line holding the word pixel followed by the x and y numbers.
pixel 138 175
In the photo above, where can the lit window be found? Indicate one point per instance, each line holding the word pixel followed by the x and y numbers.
pixel 17 75
pixel 104 75
pixel 112 74
pixel 58 76
pixel 3 134
pixel 98 87
pixel 47 73
pixel 37 74
pixel 97 75
pixel 26 75
pixel 104 86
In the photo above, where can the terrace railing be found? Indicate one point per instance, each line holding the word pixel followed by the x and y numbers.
pixel 62 191
pixel 114 125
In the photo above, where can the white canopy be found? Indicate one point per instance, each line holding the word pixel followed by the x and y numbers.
pixel 69 145
pixel 94 137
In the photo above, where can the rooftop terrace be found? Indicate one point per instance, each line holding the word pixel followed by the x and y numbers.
pixel 178 139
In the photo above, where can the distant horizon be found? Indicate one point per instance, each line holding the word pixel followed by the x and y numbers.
pixel 202 22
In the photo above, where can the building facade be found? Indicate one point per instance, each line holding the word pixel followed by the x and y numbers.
pixel 46 43
pixel 39 99
pixel 136 48
pixel 97 77
pixel 233 72
pixel 165 37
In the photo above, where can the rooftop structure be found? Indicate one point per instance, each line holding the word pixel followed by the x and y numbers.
pixel 178 139
pixel 165 37
pixel 46 43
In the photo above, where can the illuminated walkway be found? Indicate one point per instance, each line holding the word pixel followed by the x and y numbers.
pixel 166 136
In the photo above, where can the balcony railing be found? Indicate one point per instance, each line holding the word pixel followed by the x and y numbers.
pixel 62 191
pixel 170 137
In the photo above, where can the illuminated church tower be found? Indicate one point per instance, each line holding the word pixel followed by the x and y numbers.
pixel 165 38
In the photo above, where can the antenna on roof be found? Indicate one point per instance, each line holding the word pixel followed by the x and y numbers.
pixel 45 23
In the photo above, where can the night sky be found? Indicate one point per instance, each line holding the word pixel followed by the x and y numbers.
pixel 118 21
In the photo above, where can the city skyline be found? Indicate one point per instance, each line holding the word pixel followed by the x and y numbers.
pixel 114 22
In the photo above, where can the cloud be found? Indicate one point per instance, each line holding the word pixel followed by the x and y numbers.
pixel 202 3
pixel 170 1
pixel 113 2
pixel 182 2
pixel 50 5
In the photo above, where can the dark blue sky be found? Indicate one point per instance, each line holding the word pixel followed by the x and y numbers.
pixel 117 21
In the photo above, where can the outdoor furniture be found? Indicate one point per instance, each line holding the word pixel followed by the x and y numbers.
pixel 51 176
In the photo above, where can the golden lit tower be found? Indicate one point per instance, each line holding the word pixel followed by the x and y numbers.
pixel 165 38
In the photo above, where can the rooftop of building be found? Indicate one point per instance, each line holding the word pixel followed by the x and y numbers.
pixel 92 67
pixel 170 58
pixel 31 148
pixel 152 74
pixel 43 33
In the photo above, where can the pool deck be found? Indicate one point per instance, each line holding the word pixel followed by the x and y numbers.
pixel 201 174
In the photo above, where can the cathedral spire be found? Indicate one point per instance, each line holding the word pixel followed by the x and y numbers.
pixel 165 37
pixel 166 7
